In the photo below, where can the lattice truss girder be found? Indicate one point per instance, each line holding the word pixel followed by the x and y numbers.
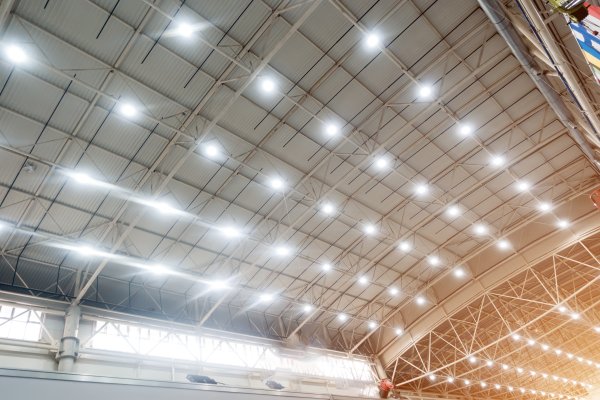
pixel 527 304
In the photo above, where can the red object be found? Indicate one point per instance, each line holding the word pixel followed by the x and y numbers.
pixel 595 196
pixel 385 385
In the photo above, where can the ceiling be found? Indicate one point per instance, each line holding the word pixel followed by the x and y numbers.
pixel 289 151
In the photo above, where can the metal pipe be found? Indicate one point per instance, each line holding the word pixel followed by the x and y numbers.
pixel 560 63
pixel 537 50
pixel 500 20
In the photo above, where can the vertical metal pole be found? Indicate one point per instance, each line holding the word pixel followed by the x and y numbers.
pixel 381 374
pixel 69 343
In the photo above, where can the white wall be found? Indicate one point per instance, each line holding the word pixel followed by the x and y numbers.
pixel 55 386
pixel 38 357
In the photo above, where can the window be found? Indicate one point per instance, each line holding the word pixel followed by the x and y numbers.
pixel 19 323
pixel 220 351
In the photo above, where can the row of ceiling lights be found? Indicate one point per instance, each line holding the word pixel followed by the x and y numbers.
pixel 17 55
pixel 497 386
pixel 211 285
pixel 559 352
pixel 519 370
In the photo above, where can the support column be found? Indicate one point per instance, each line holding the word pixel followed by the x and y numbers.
pixel 381 374
pixel 69 343
pixel 384 384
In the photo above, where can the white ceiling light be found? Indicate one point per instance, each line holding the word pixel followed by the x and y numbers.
pixel 420 300
pixel 211 150
pixel 277 183
pixel 373 40
pixel 453 211
pixel 523 186
pixel 510 389
pixel 531 342
pixel 404 246
pixel 381 163
pixel 433 260
pixel 282 251
pixel 363 280
pixel 472 359
pixel 480 229
pixel 162 207
pixel 497 386
pixel 459 272
pixel 369 229
pixel 497 161
pixel 575 316
pixel 398 331
pixel 159 269
pixel 328 208
pixel 332 129
pixel 342 317
pixel 562 309
pixel 218 285
pixel 128 110
pixel 267 85
pixel 545 347
pixel 544 206
pixel 15 54
pixel 516 336
pixel 266 297
pixel 307 308
pixel 483 384
pixel 432 377
pixel 230 232
pixel 372 324
pixel 326 267
pixel 82 178
pixel 450 379
pixel 425 91
pixel 467 382
pixel 489 363
pixel 394 291
pixel 562 223
pixel 597 329
pixel 465 129
pixel 505 367
pixel 503 244
pixel 184 30
pixel 519 370
pixel 421 190
pixel 87 251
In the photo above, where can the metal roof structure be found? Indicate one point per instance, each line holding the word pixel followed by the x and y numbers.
pixel 387 178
